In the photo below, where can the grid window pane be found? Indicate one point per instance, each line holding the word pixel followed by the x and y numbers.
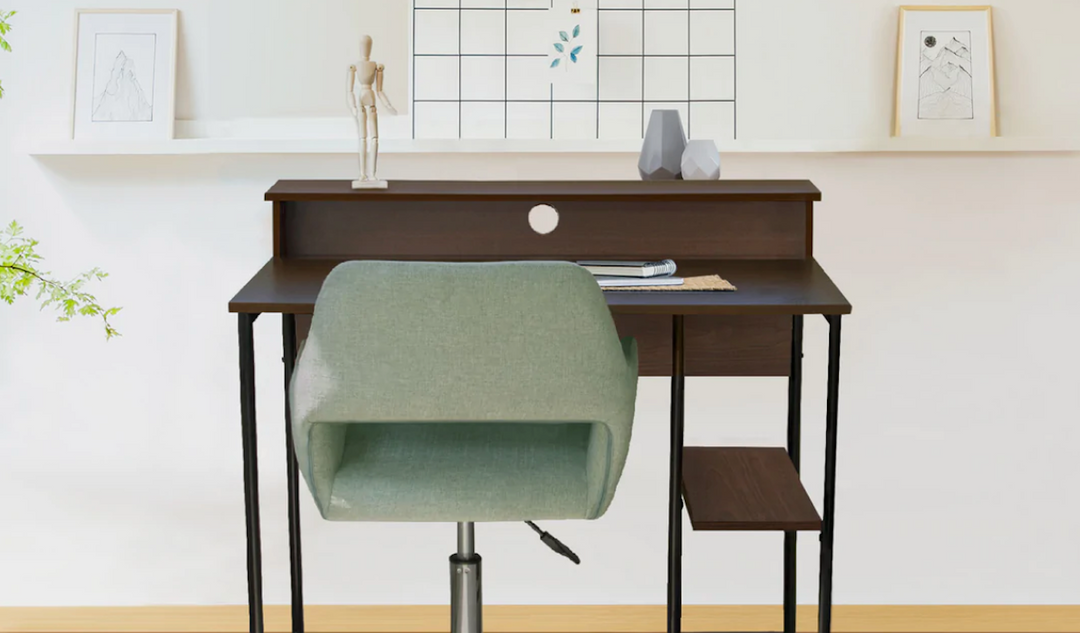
pixel 436 31
pixel 483 120
pixel 667 79
pixel 667 32
pixel 524 33
pixel 483 32
pixel 525 79
pixel 621 32
pixel 714 121
pixel 620 79
pixel 436 120
pixel 528 120
pixel 712 78
pixel 483 78
pixel 712 33
pixel 620 121
pixel 574 120
pixel 436 78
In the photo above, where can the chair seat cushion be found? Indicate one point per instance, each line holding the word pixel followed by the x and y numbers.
pixel 455 472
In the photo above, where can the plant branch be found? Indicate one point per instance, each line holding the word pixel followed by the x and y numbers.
pixel 110 331
pixel 33 274
pixel 5 28
pixel 20 273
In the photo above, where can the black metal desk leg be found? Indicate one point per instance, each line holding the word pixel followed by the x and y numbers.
pixel 251 470
pixel 825 596
pixel 288 342
pixel 675 502
pixel 794 441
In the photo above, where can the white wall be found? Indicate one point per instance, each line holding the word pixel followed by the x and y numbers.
pixel 825 70
pixel 120 472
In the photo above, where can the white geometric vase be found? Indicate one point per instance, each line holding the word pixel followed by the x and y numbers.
pixel 701 161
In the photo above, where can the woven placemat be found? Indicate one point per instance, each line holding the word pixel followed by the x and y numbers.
pixel 709 283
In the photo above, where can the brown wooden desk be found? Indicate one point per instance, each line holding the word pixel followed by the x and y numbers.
pixel 756 234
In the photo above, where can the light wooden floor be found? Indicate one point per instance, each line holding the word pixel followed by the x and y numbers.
pixel 544 619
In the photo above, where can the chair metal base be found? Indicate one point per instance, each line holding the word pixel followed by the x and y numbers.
pixel 465 591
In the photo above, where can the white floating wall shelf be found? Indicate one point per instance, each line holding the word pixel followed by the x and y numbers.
pixel 345 146
pixel 328 136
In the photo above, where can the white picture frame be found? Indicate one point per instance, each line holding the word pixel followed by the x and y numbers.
pixel 124 84
pixel 945 85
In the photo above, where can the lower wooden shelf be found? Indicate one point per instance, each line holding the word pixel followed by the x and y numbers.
pixel 745 489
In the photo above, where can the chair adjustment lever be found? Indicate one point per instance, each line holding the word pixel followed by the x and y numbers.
pixel 555 544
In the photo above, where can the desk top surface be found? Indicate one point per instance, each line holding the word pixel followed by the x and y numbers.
pixel 765 287
pixel 716 190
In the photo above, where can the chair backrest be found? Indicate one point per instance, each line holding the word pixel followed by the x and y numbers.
pixel 499 342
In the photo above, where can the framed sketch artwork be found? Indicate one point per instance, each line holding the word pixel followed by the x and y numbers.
pixel 945 72
pixel 125 74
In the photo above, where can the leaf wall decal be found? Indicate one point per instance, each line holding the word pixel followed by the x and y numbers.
pixel 564 36
pixel 556 62
pixel 573 57
pixel 577 30
pixel 559 47
pixel 577 51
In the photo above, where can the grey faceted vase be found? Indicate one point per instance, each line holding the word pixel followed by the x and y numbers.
pixel 665 141
pixel 701 161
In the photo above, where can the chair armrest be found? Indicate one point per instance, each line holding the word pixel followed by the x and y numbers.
pixel 609 441
pixel 319 448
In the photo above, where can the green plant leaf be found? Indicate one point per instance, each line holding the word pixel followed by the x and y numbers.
pixel 5 28
pixel 559 47
pixel 555 63
pixel 564 36
pixel 19 274
pixel 573 57
pixel 577 51
pixel 577 31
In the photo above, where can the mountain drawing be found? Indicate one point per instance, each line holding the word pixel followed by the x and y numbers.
pixel 123 99
pixel 945 80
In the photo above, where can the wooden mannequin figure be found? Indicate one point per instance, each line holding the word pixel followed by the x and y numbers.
pixel 362 77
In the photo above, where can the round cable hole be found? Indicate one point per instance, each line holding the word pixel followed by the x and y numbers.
pixel 543 219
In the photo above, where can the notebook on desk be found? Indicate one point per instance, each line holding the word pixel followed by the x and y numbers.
pixel 632 269
pixel 632 282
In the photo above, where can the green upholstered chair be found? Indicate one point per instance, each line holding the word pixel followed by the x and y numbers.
pixel 462 393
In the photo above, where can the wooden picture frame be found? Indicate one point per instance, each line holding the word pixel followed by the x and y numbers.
pixel 124 110
pixel 927 107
